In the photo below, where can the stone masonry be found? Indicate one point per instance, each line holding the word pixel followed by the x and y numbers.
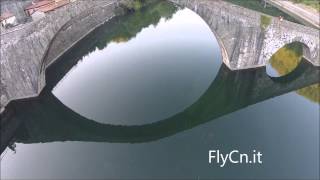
pixel 23 55
pixel 244 42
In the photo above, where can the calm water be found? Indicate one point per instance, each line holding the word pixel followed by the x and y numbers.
pixel 146 96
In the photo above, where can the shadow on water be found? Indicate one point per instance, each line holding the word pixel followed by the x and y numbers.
pixel 287 64
pixel 46 119
pixel 119 29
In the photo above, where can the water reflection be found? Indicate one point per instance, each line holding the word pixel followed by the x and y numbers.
pixel 237 109
pixel 285 61
pixel 311 92
pixel 46 119
pixel 154 65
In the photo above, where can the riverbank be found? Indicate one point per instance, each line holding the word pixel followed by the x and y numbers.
pixel 257 5
pixel 313 4
pixel 305 15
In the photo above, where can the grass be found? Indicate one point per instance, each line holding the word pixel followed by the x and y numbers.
pixel 265 21
pixel 257 5
pixel 311 3
pixel 285 60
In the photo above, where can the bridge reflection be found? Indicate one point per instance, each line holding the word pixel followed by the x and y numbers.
pixel 46 119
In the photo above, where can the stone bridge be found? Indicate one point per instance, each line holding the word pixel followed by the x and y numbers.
pixel 247 39
pixel 46 119
pixel 24 52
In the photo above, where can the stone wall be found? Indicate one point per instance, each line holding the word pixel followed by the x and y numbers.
pixel 75 30
pixel 27 52
pixel 16 7
pixel 22 57
pixel 280 34
pixel 244 42
pixel 243 88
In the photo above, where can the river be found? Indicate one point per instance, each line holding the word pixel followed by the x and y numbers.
pixel 146 95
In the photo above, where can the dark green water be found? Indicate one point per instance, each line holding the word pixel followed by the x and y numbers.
pixel 147 96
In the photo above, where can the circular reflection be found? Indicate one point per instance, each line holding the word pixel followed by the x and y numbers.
pixel 157 72
pixel 285 60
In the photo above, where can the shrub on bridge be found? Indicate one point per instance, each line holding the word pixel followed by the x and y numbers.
pixel 265 21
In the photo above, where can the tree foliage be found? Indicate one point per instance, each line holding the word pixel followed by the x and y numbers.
pixel 286 60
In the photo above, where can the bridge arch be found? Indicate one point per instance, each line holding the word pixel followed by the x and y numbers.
pixel 88 16
pixel 59 123
pixel 200 9
pixel 287 59
pixel 306 50
pixel 280 34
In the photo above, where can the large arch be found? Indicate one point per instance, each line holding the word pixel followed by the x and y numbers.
pixel 69 33
pixel 195 6
pixel 46 119
pixel 22 72
pixel 244 44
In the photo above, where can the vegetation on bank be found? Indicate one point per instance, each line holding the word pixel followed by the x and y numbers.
pixel 131 24
pixel 285 60
pixel 311 3
pixel 311 92
pixel 134 5
pixel 123 28
pixel 120 29
pixel 258 5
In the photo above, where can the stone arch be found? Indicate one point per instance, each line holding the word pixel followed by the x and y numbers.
pixel 293 75
pixel 284 64
pixel 200 8
pixel 88 16
pixel 44 62
pixel 79 128
pixel 276 37
pixel 306 49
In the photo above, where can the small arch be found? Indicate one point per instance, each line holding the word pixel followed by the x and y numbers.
pixel 306 51
pixel 284 63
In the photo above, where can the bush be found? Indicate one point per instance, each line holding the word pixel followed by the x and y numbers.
pixel 265 21
pixel 133 5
